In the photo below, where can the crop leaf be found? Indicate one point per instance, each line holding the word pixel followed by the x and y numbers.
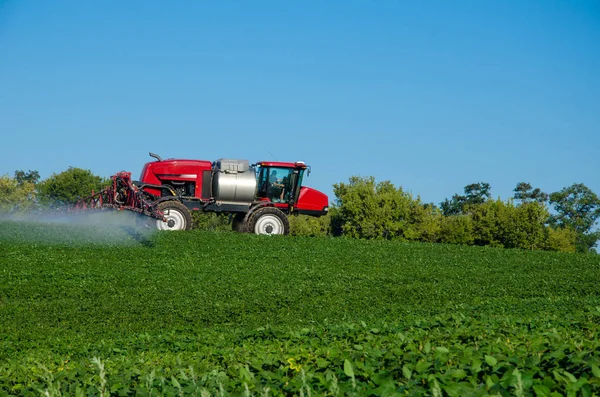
pixel 427 347
pixel 491 361
pixel 541 390
pixel 422 366
pixel 348 369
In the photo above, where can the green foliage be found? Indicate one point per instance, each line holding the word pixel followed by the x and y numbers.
pixel 453 206
pixel 453 353
pixel 16 195
pixel 427 220
pixel 69 186
pixel 29 176
pixel 527 226
pixel 502 224
pixel 561 239
pixel 486 222
pixel 210 221
pixel 230 278
pixel 475 193
pixel 236 314
pixel 525 193
pixel 370 210
pixel 577 207
pixel 457 229
pixel 310 226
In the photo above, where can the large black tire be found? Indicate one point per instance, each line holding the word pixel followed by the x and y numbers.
pixel 177 214
pixel 268 220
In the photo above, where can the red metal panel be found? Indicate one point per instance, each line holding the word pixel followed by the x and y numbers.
pixel 282 164
pixel 175 170
pixel 311 200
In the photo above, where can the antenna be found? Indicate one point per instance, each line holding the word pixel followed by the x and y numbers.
pixel 275 158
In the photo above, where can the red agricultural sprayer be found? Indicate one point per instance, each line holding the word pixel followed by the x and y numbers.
pixel 259 196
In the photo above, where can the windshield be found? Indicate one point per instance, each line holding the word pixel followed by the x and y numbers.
pixel 278 184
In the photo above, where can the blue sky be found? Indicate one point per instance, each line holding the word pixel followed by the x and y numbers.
pixel 431 95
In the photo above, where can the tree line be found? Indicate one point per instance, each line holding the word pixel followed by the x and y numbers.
pixel 531 219
pixel 366 209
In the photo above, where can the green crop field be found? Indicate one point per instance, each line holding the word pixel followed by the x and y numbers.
pixel 112 310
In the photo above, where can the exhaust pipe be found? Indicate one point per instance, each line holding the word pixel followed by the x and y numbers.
pixel 156 156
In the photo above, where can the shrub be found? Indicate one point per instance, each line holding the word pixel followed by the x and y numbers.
pixel 15 196
pixel 69 186
pixel 210 221
pixel 457 229
pixel 303 225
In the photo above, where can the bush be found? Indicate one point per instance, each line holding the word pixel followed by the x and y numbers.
pixel 370 210
pixel 427 220
pixel 528 226
pixel 457 229
pixel 502 224
pixel 16 196
pixel 310 226
pixel 69 186
pixel 560 239
pixel 210 221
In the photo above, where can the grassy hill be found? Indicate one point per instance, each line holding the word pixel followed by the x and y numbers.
pixel 100 307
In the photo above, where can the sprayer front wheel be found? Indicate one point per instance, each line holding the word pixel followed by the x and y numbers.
pixel 269 220
pixel 177 215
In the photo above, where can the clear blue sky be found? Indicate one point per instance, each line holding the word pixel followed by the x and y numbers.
pixel 431 95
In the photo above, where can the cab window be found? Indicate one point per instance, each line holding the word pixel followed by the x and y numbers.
pixel 280 185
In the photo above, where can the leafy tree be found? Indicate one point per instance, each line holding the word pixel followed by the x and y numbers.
pixel 503 224
pixel 453 206
pixel 457 229
pixel 69 186
pixel 560 239
pixel 522 226
pixel 428 222
pixel 475 193
pixel 577 207
pixel 486 224
pixel 27 177
pixel 370 210
pixel 530 220
pixel 525 193
pixel 16 196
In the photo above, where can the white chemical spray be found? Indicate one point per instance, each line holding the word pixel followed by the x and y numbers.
pixel 106 227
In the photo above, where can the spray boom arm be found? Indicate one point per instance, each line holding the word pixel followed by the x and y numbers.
pixel 121 194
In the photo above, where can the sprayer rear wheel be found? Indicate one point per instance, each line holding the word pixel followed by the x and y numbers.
pixel 177 214
pixel 269 220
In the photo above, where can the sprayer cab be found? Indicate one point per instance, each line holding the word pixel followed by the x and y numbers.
pixel 281 183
